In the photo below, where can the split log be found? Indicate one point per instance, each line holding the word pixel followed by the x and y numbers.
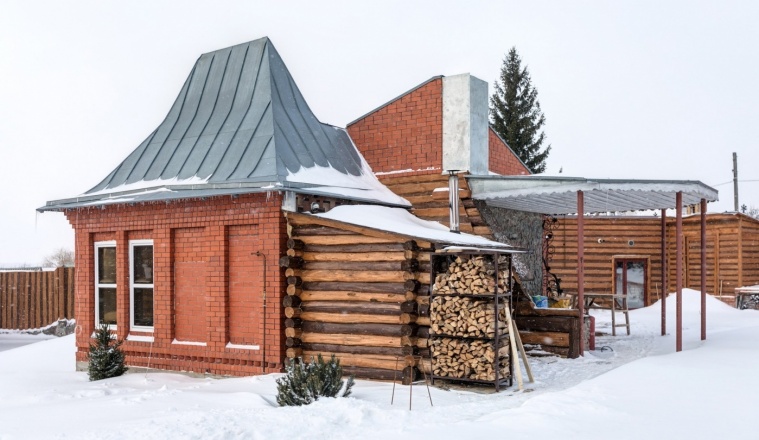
pixel 472 275
pixel 461 359
pixel 465 317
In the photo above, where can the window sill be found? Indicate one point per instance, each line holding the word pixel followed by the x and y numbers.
pixel 243 347
pixel 199 344
pixel 136 338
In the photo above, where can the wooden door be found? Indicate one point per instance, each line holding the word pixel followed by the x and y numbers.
pixel 631 278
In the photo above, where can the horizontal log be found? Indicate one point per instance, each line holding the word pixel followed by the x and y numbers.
pixel 342 295
pixel 357 329
pixel 293 332
pixel 545 338
pixel 293 322
pixel 292 312
pixel 347 318
pixel 292 342
pixel 294 253
pixel 319 230
pixel 388 362
pixel 295 244
pixel 294 353
pixel 293 262
pixel 330 240
pixel 411 285
pixel 295 281
pixel 412 350
pixel 443 195
pixel 559 324
pixel 423 320
pixel 355 286
pixel 402 265
pixel 353 276
pixel 373 373
pixel 354 256
pixel 352 339
pixel 407 318
pixel 355 248
pixel 291 301
pixel 294 290
pixel 376 308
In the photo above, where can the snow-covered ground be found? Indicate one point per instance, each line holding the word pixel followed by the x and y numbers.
pixel 637 388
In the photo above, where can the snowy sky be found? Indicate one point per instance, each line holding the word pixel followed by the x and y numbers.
pixel 629 89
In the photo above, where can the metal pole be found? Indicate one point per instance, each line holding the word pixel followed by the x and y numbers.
pixel 581 267
pixel 679 271
pixel 735 182
pixel 703 269
pixel 453 201
pixel 664 288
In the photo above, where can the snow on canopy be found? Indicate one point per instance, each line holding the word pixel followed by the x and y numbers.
pixel 239 125
pixel 402 222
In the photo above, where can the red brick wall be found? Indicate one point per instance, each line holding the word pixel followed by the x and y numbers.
pixel 406 134
pixel 502 160
pixel 194 262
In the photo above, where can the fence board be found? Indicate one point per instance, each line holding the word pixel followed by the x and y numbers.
pixel 33 299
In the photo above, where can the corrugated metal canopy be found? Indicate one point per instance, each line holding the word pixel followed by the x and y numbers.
pixel 239 120
pixel 558 195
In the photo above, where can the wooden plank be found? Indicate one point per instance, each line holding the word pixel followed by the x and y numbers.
pixel 545 338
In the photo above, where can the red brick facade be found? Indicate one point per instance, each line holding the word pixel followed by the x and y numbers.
pixel 405 137
pixel 501 159
pixel 208 284
pixel 406 134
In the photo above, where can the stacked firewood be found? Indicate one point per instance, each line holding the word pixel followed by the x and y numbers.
pixel 472 275
pixel 467 359
pixel 465 317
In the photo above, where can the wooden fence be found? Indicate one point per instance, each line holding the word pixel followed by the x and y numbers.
pixel 34 299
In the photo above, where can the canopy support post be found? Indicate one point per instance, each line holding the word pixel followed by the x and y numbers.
pixel 664 287
pixel 581 266
pixel 679 271
pixel 703 269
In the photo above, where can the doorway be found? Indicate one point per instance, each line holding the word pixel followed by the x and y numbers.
pixel 631 279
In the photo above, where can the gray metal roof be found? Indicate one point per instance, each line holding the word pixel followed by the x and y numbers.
pixel 558 195
pixel 239 121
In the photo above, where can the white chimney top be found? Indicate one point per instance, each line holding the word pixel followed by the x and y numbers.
pixel 465 124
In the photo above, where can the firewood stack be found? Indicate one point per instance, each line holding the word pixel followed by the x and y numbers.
pixel 475 275
pixel 466 359
pixel 463 325
pixel 465 317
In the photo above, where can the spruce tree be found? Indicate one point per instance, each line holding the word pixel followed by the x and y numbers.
pixel 105 357
pixel 304 383
pixel 515 113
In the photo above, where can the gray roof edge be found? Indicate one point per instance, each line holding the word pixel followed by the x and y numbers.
pixel 197 190
pixel 413 89
pixel 538 177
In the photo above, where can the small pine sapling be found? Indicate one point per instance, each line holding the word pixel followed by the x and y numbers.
pixel 105 357
pixel 304 383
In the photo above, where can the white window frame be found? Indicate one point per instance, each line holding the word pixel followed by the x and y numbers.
pixel 132 285
pixel 98 285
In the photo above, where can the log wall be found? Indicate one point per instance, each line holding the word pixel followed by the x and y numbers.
pixel 360 294
pixel 732 252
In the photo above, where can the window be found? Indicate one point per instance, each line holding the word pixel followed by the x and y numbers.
pixel 105 283
pixel 141 284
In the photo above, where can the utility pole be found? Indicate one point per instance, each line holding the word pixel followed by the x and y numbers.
pixel 735 181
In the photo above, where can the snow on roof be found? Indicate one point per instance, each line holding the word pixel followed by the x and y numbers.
pixel 400 221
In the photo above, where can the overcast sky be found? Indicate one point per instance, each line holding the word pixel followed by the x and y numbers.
pixel 659 90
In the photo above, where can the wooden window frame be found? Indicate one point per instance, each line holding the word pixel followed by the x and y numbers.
pixel 99 285
pixel 133 285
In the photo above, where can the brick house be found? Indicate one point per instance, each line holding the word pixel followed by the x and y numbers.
pixel 177 248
